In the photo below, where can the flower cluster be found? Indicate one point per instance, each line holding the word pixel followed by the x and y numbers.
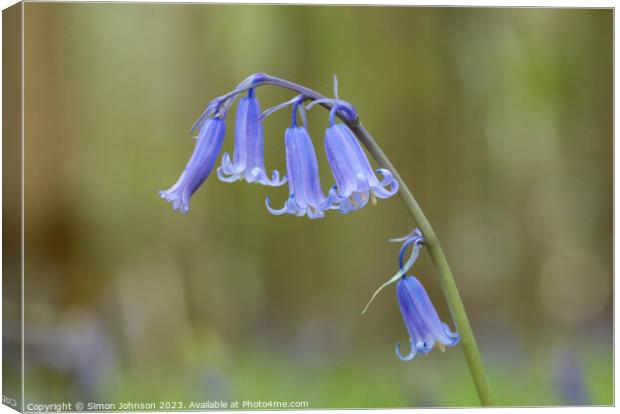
pixel 419 315
pixel 355 181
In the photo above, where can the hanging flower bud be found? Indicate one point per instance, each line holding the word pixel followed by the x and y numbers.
pixel 249 153
pixel 302 168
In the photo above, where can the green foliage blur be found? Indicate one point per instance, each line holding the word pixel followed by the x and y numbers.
pixel 499 119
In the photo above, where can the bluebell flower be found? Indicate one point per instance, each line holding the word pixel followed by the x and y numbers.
pixel 249 153
pixel 421 319
pixel 208 146
pixel 356 182
pixel 302 169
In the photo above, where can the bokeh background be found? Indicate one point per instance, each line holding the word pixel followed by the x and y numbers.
pixel 499 119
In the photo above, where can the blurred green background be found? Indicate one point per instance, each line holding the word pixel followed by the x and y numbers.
pixel 499 119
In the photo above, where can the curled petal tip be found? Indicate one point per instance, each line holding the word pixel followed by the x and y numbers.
pixel 276 181
pixel 409 357
pixel 388 180
pixel 453 337
pixel 275 212
pixel 227 178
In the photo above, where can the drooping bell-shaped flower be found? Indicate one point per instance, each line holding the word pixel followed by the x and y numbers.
pixel 208 145
pixel 356 182
pixel 302 168
pixel 421 319
pixel 249 153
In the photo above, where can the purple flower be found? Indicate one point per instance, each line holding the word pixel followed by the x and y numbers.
pixel 208 146
pixel 356 182
pixel 421 319
pixel 302 169
pixel 248 160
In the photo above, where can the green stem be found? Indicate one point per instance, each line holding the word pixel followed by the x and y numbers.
pixel 451 292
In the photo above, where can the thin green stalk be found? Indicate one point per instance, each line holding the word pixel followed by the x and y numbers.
pixel 448 285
